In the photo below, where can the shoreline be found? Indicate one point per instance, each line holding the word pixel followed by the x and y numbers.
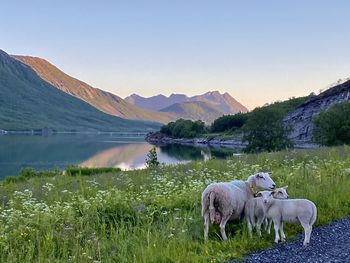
pixel 49 133
pixel 159 138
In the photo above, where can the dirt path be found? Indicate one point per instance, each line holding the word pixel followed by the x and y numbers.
pixel 329 243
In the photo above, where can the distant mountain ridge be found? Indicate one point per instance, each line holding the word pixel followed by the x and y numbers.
pixel 196 110
pixel 221 102
pixel 157 102
pixel 102 100
pixel 28 102
pixel 162 109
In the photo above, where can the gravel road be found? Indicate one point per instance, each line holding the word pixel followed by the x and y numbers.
pixel 329 243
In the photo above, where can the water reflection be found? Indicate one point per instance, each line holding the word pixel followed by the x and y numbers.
pixel 133 156
pixel 59 151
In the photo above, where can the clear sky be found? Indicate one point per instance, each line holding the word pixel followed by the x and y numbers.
pixel 258 51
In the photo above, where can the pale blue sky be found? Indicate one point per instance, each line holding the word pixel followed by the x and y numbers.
pixel 258 51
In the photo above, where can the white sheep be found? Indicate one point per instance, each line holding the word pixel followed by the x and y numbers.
pixel 254 211
pixel 293 211
pixel 281 194
pixel 225 201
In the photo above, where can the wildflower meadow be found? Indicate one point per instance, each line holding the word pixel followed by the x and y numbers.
pixel 154 215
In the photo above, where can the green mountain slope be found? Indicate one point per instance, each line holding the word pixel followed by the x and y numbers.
pixel 196 110
pixel 102 100
pixel 29 102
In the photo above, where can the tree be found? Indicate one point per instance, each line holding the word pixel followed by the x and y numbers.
pixel 152 159
pixel 229 122
pixel 332 127
pixel 183 128
pixel 264 131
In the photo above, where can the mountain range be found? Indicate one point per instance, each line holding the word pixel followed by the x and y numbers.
pixel 35 94
pixel 162 109
pixel 102 100
pixel 196 110
pixel 29 102
pixel 223 103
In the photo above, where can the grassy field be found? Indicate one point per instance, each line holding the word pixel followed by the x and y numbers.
pixel 154 216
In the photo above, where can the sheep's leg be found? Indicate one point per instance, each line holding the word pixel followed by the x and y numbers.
pixel 269 227
pixel 309 237
pixel 224 220
pixel 276 225
pixel 307 232
pixel 266 224
pixel 250 227
pixel 258 226
pixel 283 236
pixel 206 225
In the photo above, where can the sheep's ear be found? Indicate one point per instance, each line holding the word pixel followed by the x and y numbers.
pixel 258 175
pixel 273 193
pixel 270 173
pixel 285 187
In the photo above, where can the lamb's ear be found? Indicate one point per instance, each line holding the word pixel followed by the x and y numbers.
pixel 273 193
pixel 270 173
pixel 285 187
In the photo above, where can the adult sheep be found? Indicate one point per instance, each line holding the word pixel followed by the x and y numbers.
pixel 228 199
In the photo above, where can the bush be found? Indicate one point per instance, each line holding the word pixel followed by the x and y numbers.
pixel 75 170
pixel 28 173
pixel 183 129
pixel 264 131
pixel 152 158
pixel 229 122
pixel 332 127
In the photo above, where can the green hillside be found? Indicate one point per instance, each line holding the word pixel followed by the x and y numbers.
pixel 29 102
pixel 100 99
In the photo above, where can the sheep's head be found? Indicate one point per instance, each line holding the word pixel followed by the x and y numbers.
pixel 266 196
pixel 263 181
pixel 281 193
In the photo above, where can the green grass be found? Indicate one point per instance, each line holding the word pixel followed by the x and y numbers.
pixel 154 215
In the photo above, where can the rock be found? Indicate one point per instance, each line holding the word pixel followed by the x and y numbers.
pixel 300 120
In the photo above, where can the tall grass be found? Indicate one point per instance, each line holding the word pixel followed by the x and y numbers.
pixel 154 215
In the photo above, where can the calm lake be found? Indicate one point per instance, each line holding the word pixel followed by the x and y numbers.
pixel 105 150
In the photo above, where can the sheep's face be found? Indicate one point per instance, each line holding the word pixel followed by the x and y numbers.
pixel 266 196
pixel 281 193
pixel 264 181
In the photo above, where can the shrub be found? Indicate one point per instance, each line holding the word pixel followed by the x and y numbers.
pixel 264 131
pixel 152 158
pixel 28 173
pixel 75 170
pixel 229 122
pixel 183 129
pixel 332 127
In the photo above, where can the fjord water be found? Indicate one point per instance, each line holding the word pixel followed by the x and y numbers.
pixel 92 150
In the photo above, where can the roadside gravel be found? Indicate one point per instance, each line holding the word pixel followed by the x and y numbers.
pixel 329 243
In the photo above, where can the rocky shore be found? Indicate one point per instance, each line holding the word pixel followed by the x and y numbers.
pixel 159 138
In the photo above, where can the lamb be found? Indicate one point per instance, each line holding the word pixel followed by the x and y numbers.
pixel 281 194
pixel 229 198
pixel 294 211
pixel 254 210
